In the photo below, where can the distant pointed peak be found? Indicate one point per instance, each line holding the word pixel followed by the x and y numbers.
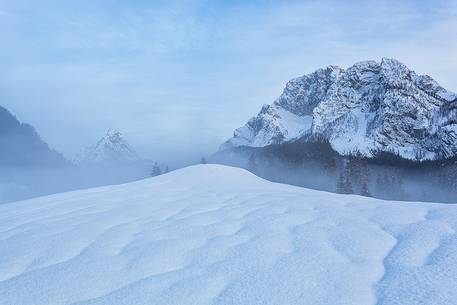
pixel 111 147
pixel 112 136
pixel 113 132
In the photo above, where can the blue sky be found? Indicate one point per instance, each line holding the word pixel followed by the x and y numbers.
pixel 178 77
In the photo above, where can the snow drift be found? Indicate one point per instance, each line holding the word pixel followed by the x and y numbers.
pixel 212 234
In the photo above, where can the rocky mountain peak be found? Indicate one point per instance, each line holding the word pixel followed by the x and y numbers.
pixel 113 136
pixel 111 148
pixel 368 108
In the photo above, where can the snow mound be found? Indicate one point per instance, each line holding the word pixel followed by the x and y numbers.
pixel 211 234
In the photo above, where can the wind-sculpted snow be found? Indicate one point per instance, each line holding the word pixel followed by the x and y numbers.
pixel 369 108
pixel 218 235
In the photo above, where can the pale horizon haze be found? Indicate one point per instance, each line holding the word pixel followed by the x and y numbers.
pixel 176 78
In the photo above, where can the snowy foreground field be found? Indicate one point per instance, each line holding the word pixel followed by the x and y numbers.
pixel 218 235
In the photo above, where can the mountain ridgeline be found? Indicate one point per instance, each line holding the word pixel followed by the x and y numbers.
pixel 376 129
pixel 30 168
pixel 112 148
pixel 112 160
pixel 21 146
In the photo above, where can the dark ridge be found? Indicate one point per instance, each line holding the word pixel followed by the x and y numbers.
pixel 314 164
pixel 22 147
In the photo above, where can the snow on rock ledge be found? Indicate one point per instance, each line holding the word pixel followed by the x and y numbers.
pixel 369 107
pixel 218 235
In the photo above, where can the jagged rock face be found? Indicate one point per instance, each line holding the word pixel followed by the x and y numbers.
pixel 110 149
pixel 370 107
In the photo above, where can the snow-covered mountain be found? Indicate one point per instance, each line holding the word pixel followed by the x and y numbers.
pixel 218 235
pixel 112 160
pixel 112 148
pixel 368 108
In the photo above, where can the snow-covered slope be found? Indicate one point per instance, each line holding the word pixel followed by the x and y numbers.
pixel 112 148
pixel 369 107
pixel 218 235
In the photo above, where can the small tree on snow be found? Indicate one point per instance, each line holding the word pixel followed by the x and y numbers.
pixel 203 160
pixel 340 183
pixel 252 163
pixel 156 170
pixel 364 191
pixel 364 176
pixel 344 184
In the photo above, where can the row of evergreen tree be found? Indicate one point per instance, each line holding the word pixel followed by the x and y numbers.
pixel 352 175
pixel 157 170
